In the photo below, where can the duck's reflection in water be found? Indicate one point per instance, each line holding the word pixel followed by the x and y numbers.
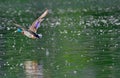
pixel 33 70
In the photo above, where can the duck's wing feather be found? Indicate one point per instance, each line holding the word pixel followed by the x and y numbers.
pixel 19 26
pixel 36 24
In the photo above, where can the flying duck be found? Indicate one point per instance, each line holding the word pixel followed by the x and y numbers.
pixel 31 32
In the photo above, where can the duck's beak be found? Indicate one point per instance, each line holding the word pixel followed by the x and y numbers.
pixel 15 31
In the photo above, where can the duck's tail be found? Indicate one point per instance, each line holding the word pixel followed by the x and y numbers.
pixel 40 35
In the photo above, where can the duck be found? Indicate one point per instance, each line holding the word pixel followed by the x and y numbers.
pixel 31 32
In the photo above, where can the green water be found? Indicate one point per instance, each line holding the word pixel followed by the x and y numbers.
pixel 80 39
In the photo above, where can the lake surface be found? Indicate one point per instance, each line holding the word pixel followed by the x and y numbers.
pixel 81 39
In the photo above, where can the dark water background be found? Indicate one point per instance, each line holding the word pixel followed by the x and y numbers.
pixel 81 39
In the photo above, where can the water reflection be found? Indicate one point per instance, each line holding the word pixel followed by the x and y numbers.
pixel 33 70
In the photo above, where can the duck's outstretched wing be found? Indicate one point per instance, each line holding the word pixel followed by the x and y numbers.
pixel 19 26
pixel 36 24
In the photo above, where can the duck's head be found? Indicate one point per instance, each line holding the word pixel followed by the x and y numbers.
pixel 19 30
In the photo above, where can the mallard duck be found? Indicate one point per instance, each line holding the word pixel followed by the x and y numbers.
pixel 32 31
